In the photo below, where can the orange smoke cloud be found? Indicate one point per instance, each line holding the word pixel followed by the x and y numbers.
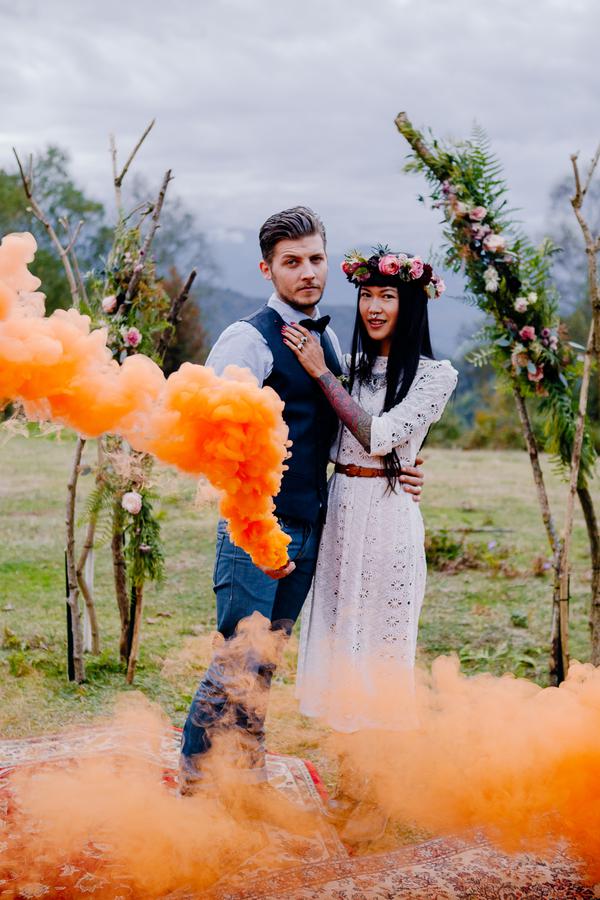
pixel 227 429
pixel 144 834
pixel 502 755
pixel 498 755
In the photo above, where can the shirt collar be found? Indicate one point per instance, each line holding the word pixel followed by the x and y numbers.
pixel 287 313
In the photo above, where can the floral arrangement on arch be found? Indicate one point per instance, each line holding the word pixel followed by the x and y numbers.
pixel 529 338
pixel 129 300
pixel 509 279
pixel 135 318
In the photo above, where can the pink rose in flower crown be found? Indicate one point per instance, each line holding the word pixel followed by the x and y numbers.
pixel 477 214
pixel 109 304
pixel 132 502
pixel 389 264
pixel 440 286
pixel 495 243
pixel 416 267
pixel 132 337
pixel 349 267
pixel 537 375
pixel 527 333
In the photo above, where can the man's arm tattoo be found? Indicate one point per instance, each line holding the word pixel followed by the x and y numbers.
pixel 351 414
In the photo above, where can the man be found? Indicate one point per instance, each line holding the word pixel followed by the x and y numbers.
pixel 293 247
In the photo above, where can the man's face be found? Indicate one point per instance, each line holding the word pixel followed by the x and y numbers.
pixel 298 271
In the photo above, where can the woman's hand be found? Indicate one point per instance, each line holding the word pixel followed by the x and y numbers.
pixel 412 479
pixel 307 349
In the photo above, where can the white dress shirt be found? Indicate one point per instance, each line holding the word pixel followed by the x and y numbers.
pixel 241 344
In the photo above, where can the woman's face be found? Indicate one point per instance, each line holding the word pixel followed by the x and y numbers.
pixel 378 307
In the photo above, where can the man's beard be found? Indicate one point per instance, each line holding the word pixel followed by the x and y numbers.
pixel 295 302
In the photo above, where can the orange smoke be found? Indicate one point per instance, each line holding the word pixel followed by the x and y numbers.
pixel 498 755
pixel 502 755
pixel 146 835
pixel 227 429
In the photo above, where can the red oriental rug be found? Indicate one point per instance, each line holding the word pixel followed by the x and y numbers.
pixel 315 868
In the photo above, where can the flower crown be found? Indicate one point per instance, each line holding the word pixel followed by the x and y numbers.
pixel 358 269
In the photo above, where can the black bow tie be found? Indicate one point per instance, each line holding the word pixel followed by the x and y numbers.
pixel 316 324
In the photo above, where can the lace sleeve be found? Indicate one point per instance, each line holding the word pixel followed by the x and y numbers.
pixel 424 404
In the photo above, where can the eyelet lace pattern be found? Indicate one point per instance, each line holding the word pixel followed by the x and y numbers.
pixel 362 613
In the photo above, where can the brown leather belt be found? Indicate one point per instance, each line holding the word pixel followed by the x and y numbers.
pixel 353 471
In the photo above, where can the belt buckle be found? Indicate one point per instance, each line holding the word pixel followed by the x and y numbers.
pixel 352 470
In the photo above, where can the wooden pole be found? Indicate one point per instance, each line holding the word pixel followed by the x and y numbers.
pixel 72 585
pixel 70 664
pixel 137 596
pixel 592 248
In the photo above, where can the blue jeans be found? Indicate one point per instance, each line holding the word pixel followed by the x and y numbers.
pixel 232 697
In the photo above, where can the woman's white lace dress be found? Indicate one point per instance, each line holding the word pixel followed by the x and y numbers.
pixel 360 620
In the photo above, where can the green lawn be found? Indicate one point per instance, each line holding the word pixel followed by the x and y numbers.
pixel 495 617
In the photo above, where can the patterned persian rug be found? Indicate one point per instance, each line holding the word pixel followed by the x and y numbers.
pixel 315 868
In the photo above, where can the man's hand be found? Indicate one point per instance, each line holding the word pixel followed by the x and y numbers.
pixel 412 479
pixel 276 574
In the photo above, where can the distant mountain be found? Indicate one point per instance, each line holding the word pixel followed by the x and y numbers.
pixel 236 255
pixel 451 321
pixel 222 306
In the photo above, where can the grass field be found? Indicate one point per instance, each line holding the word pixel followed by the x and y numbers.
pixel 496 616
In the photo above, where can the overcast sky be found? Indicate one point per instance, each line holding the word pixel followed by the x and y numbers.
pixel 261 104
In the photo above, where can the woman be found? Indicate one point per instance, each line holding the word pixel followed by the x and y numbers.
pixel 359 626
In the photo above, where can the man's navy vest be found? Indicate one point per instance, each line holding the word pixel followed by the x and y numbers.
pixel 311 421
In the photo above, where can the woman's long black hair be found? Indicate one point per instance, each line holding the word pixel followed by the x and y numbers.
pixel 410 341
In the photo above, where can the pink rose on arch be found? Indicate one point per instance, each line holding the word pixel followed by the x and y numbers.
pixel 132 502
pixel 537 375
pixel 109 304
pixel 477 214
pixel 495 243
pixel 132 337
pixel 521 304
pixel 527 333
pixel 389 264
pixel 519 358
pixel 480 231
pixel 459 208
pixel 416 267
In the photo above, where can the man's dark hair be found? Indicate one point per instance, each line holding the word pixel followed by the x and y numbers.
pixel 288 225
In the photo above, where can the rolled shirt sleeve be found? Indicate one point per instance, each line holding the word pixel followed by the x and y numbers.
pixel 424 404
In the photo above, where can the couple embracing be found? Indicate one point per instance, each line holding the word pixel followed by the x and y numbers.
pixel 356 554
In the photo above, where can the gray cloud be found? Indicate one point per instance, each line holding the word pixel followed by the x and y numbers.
pixel 261 105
